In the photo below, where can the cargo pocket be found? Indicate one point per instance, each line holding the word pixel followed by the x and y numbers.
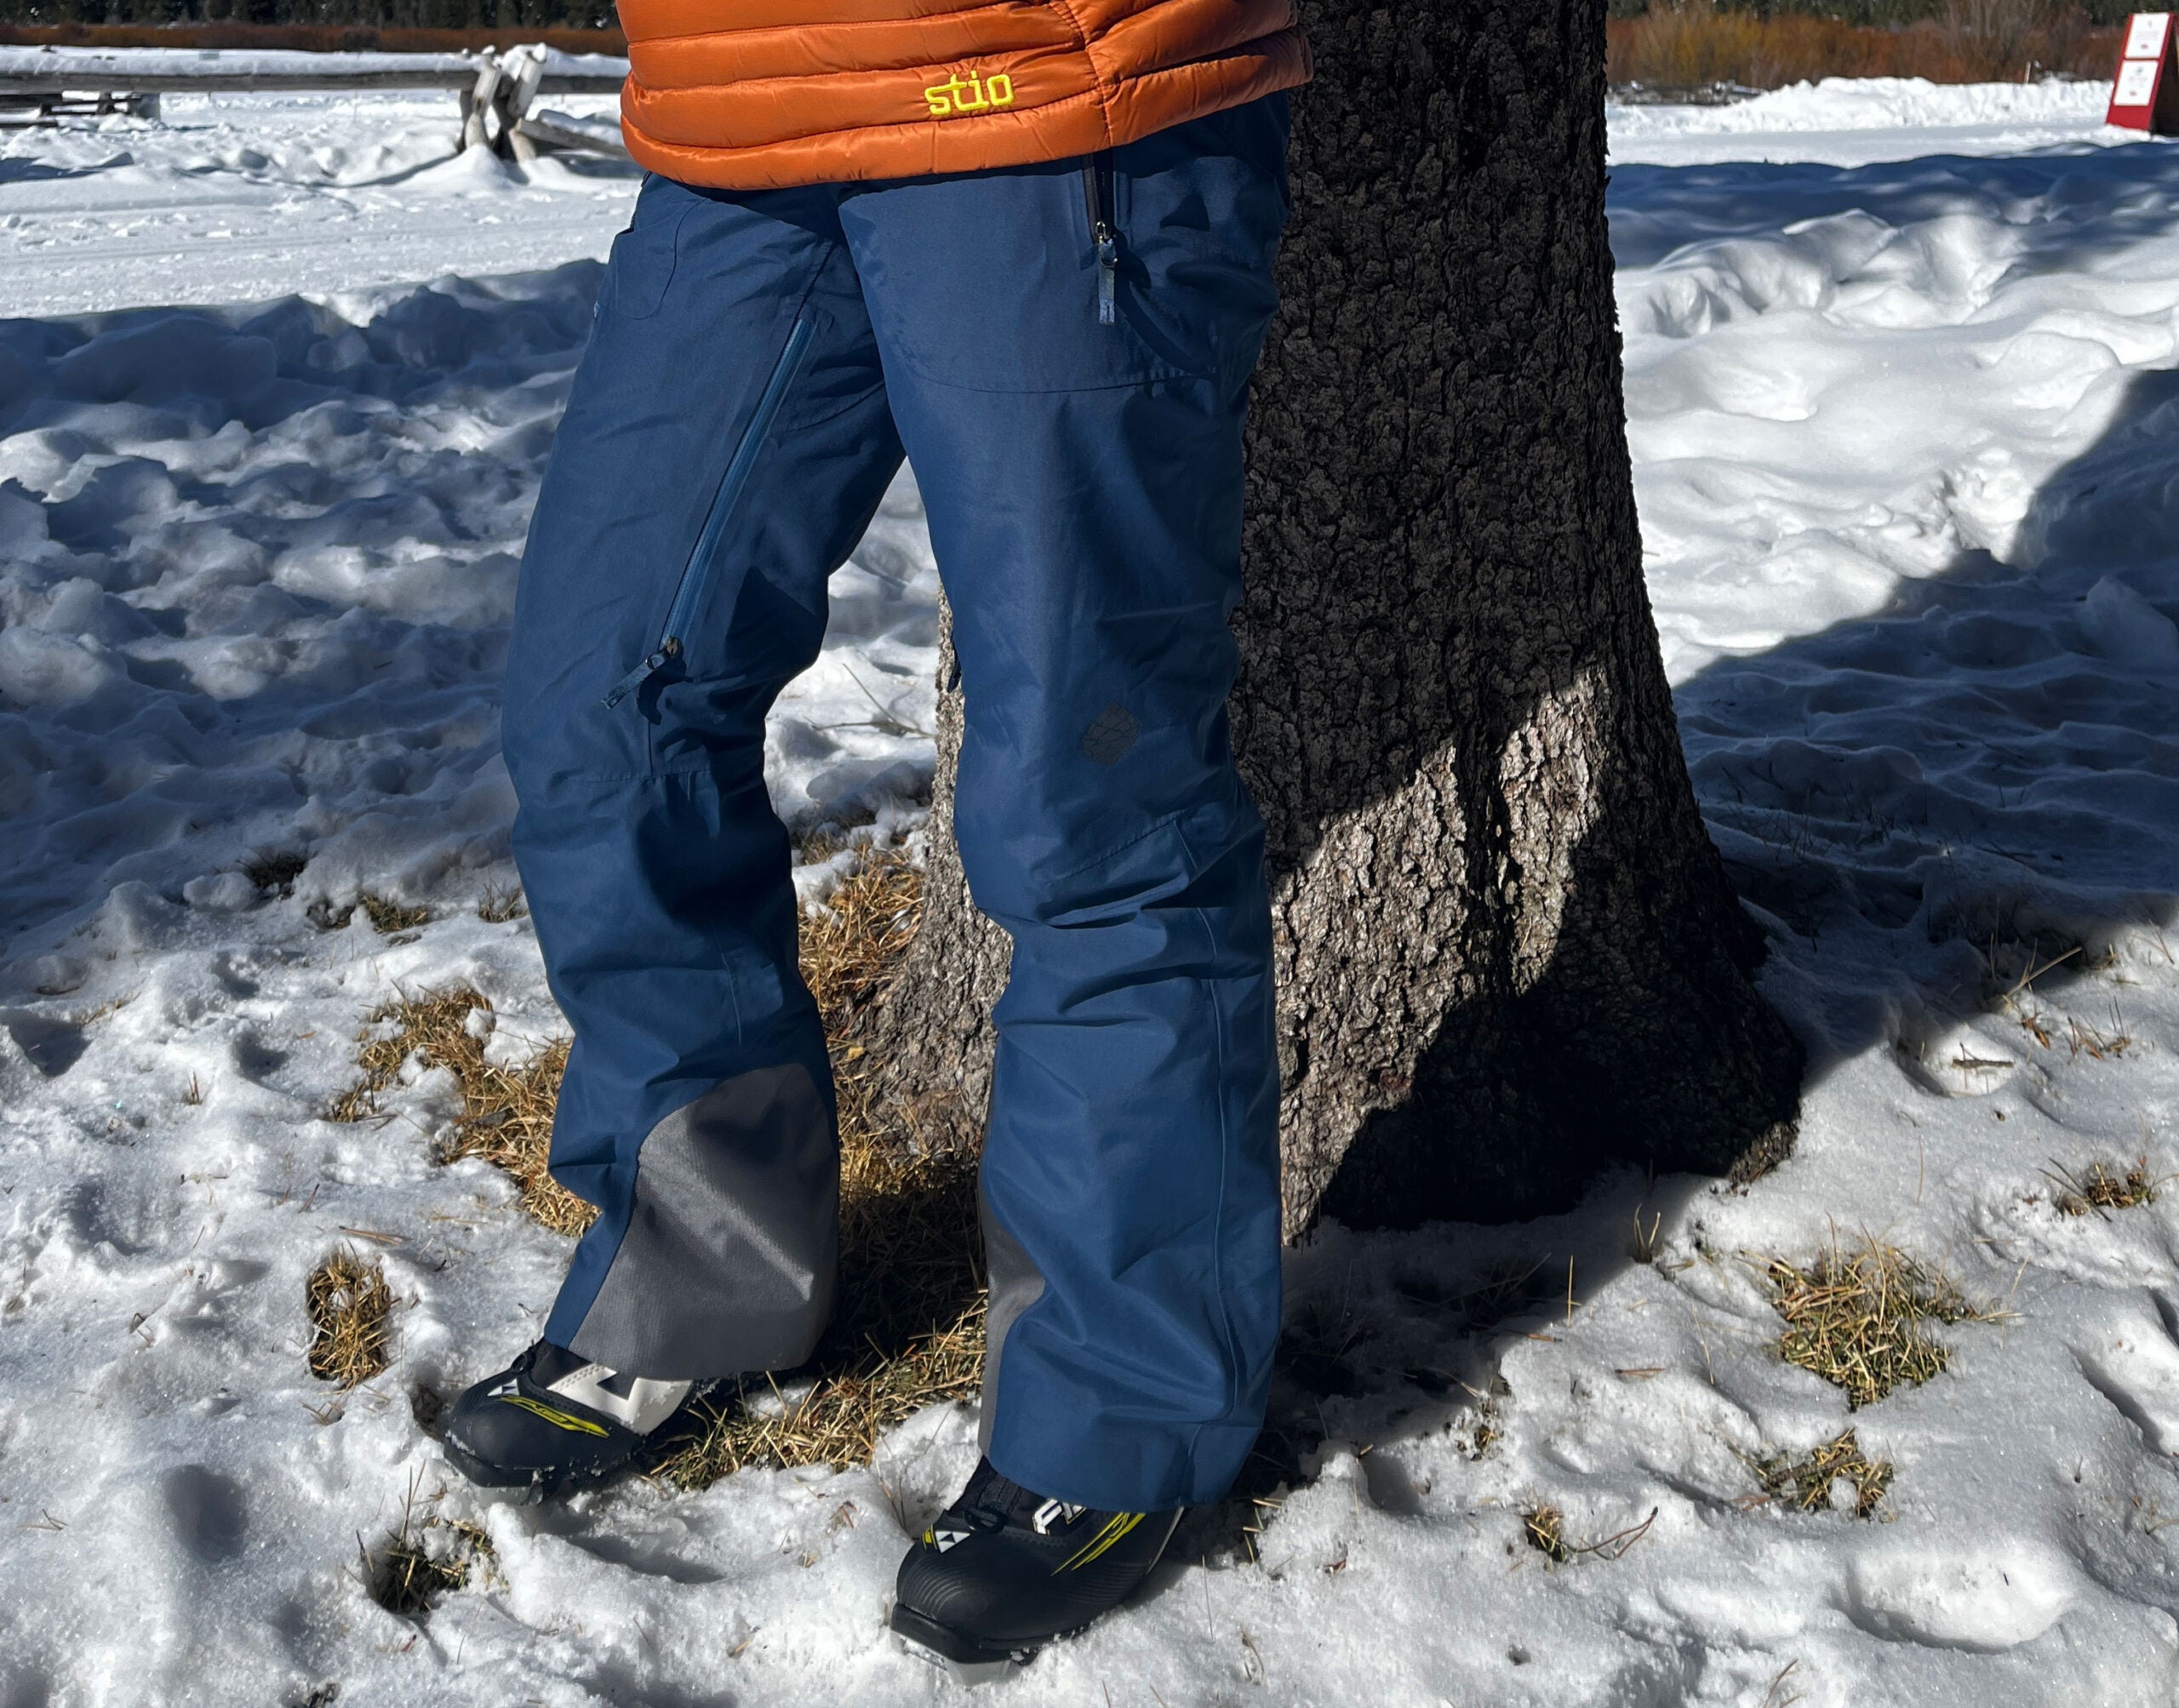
pixel 1199 210
pixel 641 264
pixel 992 282
pixel 1144 263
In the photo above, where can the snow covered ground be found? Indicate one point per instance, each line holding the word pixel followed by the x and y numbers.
pixel 232 198
pixel 1899 395
pixel 1856 121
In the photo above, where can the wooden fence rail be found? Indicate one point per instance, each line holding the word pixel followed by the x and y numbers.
pixel 14 83
pixel 497 89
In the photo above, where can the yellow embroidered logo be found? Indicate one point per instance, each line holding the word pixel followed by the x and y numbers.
pixel 954 97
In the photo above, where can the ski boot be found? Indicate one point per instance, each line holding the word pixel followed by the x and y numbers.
pixel 552 1421
pixel 1005 1571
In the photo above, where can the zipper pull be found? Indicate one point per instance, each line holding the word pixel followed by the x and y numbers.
pixel 667 648
pixel 1097 191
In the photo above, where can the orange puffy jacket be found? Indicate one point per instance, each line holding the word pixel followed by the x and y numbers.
pixel 756 95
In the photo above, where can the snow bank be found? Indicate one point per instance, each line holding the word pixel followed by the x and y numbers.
pixel 1872 104
pixel 1851 121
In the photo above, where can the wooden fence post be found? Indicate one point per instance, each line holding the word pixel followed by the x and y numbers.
pixel 477 102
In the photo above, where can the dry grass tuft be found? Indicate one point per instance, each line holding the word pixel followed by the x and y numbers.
pixel 858 1394
pixel 850 951
pixel 424 1558
pixel 1544 1528
pixel 1855 1319
pixel 1808 1483
pixel 2101 1187
pixel 498 907
pixel 908 1330
pixel 351 1308
pixel 506 1111
pixel 507 1120
pixel 427 1025
pixel 387 918
pixel 85 1018
pixel 2012 965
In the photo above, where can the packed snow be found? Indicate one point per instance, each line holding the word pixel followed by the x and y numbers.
pixel 1856 121
pixel 1898 399
pixel 250 198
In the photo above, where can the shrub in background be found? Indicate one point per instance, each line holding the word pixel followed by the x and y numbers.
pixel 429 15
pixel 1698 43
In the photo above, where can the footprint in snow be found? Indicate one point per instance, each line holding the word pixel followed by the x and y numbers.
pixel 49 1046
pixel 1957 1061
pixel 1985 1601
pixel 2135 1365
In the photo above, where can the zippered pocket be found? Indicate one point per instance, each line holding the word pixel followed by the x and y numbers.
pixel 696 573
pixel 1104 233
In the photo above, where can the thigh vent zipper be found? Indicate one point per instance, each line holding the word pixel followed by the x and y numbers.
pixel 695 575
pixel 1097 190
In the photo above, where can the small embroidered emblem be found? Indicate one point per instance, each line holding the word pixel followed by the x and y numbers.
pixel 954 97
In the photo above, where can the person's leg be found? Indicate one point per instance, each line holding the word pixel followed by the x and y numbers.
pixel 1083 483
pixel 727 442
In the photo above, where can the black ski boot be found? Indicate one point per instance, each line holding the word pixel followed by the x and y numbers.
pixel 552 1421
pixel 1005 1571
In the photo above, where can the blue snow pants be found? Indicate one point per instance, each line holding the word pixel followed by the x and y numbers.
pixel 761 363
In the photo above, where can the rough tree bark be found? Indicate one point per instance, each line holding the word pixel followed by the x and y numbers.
pixel 1507 951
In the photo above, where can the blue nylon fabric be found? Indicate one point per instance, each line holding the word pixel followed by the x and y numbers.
pixel 1084 486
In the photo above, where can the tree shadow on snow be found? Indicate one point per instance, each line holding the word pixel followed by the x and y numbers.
pixel 1922 808
pixel 2097 201
pixel 1985 773
pixel 44 172
pixel 145 568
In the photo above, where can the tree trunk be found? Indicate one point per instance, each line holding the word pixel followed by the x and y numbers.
pixel 1507 952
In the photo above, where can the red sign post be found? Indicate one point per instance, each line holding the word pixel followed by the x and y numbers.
pixel 2145 94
